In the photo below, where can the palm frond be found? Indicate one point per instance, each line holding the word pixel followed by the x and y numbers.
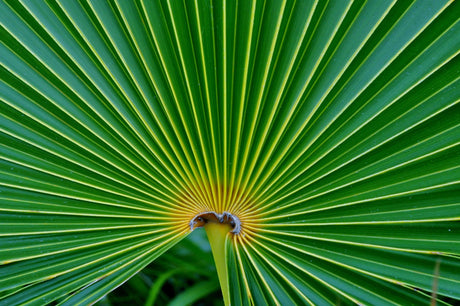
pixel 329 129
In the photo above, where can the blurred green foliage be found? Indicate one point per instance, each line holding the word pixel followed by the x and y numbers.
pixel 185 275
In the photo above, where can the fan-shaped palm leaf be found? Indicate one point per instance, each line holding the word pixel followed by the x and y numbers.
pixel 329 130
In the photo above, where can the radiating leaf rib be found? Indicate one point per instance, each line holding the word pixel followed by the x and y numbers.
pixel 21 273
pixel 387 271
pixel 79 241
pixel 403 237
pixel 189 96
pixel 452 148
pixel 71 114
pixel 255 118
pixel 28 162
pixel 293 107
pixel 42 122
pixel 285 168
pixel 183 164
pixel 92 80
pixel 18 133
pixel 209 90
pixel 315 277
pixel 240 88
pixel 271 278
pixel 393 137
pixel 123 272
pixel 421 121
pixel 363 294
pixel 169 157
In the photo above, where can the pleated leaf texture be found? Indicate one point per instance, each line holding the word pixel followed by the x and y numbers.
pixel 329 130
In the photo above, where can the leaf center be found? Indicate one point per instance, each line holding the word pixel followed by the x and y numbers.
pixel 212 217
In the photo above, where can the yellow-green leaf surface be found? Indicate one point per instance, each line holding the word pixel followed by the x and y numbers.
pixel 328 130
